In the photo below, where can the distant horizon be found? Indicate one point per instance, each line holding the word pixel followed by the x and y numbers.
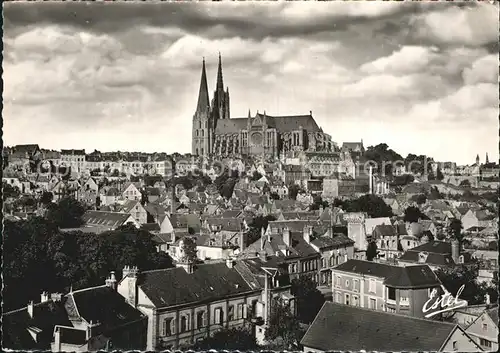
pixel 91 150
pixel 420 77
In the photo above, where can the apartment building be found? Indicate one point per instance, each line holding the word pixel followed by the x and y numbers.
pixel 382 287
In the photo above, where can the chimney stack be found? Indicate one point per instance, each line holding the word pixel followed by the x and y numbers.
pixel 455 250
pixel 262 238
pixel 57 339
pixel 229 262
pixel 286 236
pixel 31 307
pixel 44 297
pixel 111 281
pixel 307 233
pixel 242 239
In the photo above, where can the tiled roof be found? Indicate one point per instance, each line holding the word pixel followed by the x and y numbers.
pixel 281 123
pixel 384 230
pixel 336 241
pixel 346 328
pixel 73 152
pixel 151 227
pixel 231 213
pixel 108 219
pixel 15 326
pixel 175 286
pixel 105 305
pixel 228 224
pixel 419 276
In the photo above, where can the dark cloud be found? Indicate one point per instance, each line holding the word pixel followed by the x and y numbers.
pixel 243 20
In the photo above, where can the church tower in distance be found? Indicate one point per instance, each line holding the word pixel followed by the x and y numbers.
pixel 220 102
pixel 202 122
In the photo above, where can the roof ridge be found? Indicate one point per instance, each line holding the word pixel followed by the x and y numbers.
pixel 395 314
pixel 86 289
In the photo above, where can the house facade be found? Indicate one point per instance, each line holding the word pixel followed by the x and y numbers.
pixel 383 287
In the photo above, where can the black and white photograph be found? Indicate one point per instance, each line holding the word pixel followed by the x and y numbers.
pixel 304 176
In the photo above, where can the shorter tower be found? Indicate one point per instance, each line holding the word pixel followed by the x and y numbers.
pixel 477 160
pixel 486 161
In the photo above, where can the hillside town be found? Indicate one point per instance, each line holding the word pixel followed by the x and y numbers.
pixel 269 235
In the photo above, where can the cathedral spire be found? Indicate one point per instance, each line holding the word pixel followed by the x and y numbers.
pixel 487 159
pixel 220 82
pixel 203 100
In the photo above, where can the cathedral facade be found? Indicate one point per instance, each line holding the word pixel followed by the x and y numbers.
pixel 215 133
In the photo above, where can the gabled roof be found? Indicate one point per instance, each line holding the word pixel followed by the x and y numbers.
pixel 103 218
pixel 340 327
pixel 336 241
pixel 103 304
pixel 174 286
pixel 15 326
pixel 419 276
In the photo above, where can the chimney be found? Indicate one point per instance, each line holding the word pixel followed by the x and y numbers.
pixel 90 329
pixel 31 308
pixel 455 250
pixel 129 282
pixel 487 299
pixel 307 234
pixel 242 240
pixel 111 281
pixel 263 256
pixel 286 236
pixel 44 297
pixel 57 339
pixel 229 262
pixel 370 175
pixel 262 239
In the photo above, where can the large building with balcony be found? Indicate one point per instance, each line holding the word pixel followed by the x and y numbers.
pixel 377 286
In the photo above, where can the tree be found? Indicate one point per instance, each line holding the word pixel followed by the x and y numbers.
pixel 434 194
pixel 371 204
pixel 9 191
pixel 46 198
pixel 455 230
pixel 453 278
pixel 38 257
pixel 256 226
pixel 293 191
pixel 228 339
pixel 189 250
pixel 465 183
pixel 420 199
pixel 274 196
pixel 309 299
pixel 413 214
pixel 439 174
pixel 371 251
pixel 256 175
pixel 318 202
pixel 383 156
pixel 67 213
pixel 283 324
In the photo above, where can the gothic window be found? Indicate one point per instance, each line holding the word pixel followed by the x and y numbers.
pixel 199 124
pixel 206 124
pixel 196 133
pixel 202 150
pixel 202 133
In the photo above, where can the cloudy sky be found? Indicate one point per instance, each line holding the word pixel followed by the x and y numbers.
pixel 422 78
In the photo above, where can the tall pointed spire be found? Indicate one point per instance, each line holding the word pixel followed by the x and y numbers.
pixel 220 82
pixel 203 100
pixel 487 159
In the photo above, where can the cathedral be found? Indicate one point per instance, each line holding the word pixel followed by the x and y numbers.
pixel 215 133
